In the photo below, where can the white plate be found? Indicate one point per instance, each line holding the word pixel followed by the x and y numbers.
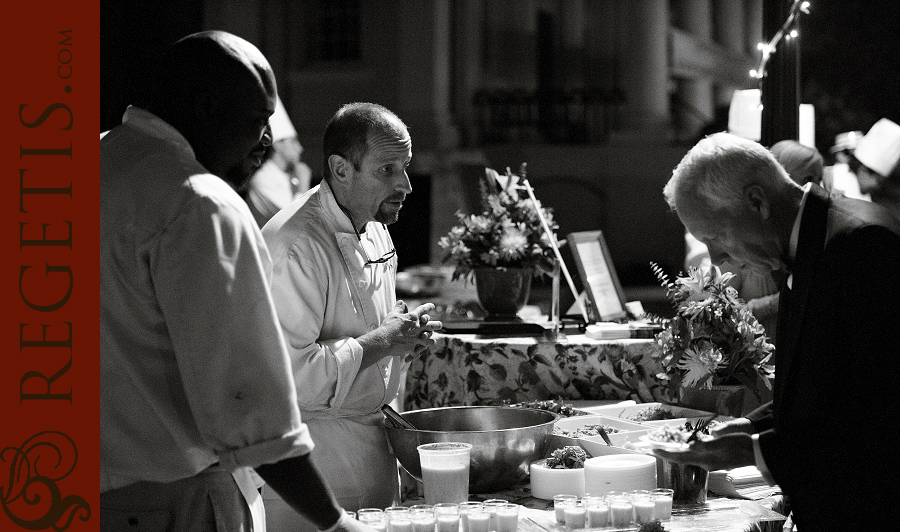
pixel 621 411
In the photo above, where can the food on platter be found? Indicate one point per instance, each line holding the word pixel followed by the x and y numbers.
pixel 568 457
pixel 557 407
pixel 668 438
pixel 652 413
pixel 592 429
pixel 562 472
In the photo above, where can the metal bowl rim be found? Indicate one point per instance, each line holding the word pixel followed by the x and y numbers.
pixel 556 418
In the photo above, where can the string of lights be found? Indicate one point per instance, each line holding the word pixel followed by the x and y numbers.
pixel 787 31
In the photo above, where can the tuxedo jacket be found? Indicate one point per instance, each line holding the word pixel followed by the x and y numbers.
pixel 830 435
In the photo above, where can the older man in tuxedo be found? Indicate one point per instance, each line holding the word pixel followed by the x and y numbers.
pixel 830 437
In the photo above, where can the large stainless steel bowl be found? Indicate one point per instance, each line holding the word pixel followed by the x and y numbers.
pixel 505 440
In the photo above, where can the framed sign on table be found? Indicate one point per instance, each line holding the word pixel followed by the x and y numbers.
pixel 604 295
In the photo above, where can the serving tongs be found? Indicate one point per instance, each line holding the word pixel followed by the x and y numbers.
pixel 396 419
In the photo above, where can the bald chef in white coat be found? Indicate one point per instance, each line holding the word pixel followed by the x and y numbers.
pixel 350 341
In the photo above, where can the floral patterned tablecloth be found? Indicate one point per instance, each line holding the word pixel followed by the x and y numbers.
pixel 472 370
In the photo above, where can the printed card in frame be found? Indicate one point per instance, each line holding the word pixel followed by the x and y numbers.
pixel 598 275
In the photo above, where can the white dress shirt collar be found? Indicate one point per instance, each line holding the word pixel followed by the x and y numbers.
pixel 795 232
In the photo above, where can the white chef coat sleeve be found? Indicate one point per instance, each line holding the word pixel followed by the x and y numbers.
pixel 305 295
pixel 208 272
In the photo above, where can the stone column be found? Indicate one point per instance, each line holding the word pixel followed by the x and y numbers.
pixel 423 87
pixel 572 28
pixel 729 32
pixel 604 36
pixel 753 35
pixel 695 95
pixel 645 72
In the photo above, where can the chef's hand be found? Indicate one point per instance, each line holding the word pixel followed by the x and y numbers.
pixel 740 425
pixel 400 333
pixel 725 452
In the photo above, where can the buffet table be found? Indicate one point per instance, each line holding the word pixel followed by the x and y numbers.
pixel 474 370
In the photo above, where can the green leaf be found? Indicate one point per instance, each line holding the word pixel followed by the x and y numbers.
pixel 497 371
pixel 541 359
pixel 473 381
pixel 527 374
pixel 507 394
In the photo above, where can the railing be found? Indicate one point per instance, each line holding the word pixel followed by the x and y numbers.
pixel 559 117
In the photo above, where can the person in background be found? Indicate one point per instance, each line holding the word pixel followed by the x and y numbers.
pixel 350 341
pixel 838 177
pixel 803 163
pixel 283 176
pixel 195 381
pixel 838 319
pixel 876 161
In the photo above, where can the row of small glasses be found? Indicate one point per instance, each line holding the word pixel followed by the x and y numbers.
pixel 492 515
pixel 616 508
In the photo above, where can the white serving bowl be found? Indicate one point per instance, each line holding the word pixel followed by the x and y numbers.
pixel 629 431
pixel 546 482
pixel 681 413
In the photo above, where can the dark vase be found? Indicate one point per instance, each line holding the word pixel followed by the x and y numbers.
pixel 502 292
pixel 687 482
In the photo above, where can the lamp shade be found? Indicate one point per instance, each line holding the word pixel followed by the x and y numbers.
pixel 807 129
pixel 745 117
pixel 745 114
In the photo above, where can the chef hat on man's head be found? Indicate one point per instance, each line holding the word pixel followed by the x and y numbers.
pixel 879 149
pixel 282 128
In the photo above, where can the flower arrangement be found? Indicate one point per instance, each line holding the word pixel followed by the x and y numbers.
pixel 714 338
pixel 508 233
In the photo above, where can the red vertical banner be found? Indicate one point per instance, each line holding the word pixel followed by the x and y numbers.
pixel 49 381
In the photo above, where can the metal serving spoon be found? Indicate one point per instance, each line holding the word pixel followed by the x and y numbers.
pixel 396 419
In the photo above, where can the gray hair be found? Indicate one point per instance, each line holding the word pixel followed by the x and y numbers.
pixel 718 169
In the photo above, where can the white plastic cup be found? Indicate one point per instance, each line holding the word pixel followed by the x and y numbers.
pixel 662 500
pixel 397 519
pixel 446 516
pixel 445 471
pixel 490 506
pixel 621 511
pixel 422 517
pixel 478 520
pixel 559 506
pixel 597 511
pixel 464 508
pixel 373 517
pixel 575 515
pixel 644 506
pixel 507 518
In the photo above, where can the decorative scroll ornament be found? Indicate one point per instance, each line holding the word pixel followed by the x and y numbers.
pixel 32 499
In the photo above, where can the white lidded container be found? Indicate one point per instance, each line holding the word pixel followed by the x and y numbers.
pixel 619 472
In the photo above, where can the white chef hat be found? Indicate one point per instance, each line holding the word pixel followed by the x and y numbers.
pixel 282 128
pixel 879 149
